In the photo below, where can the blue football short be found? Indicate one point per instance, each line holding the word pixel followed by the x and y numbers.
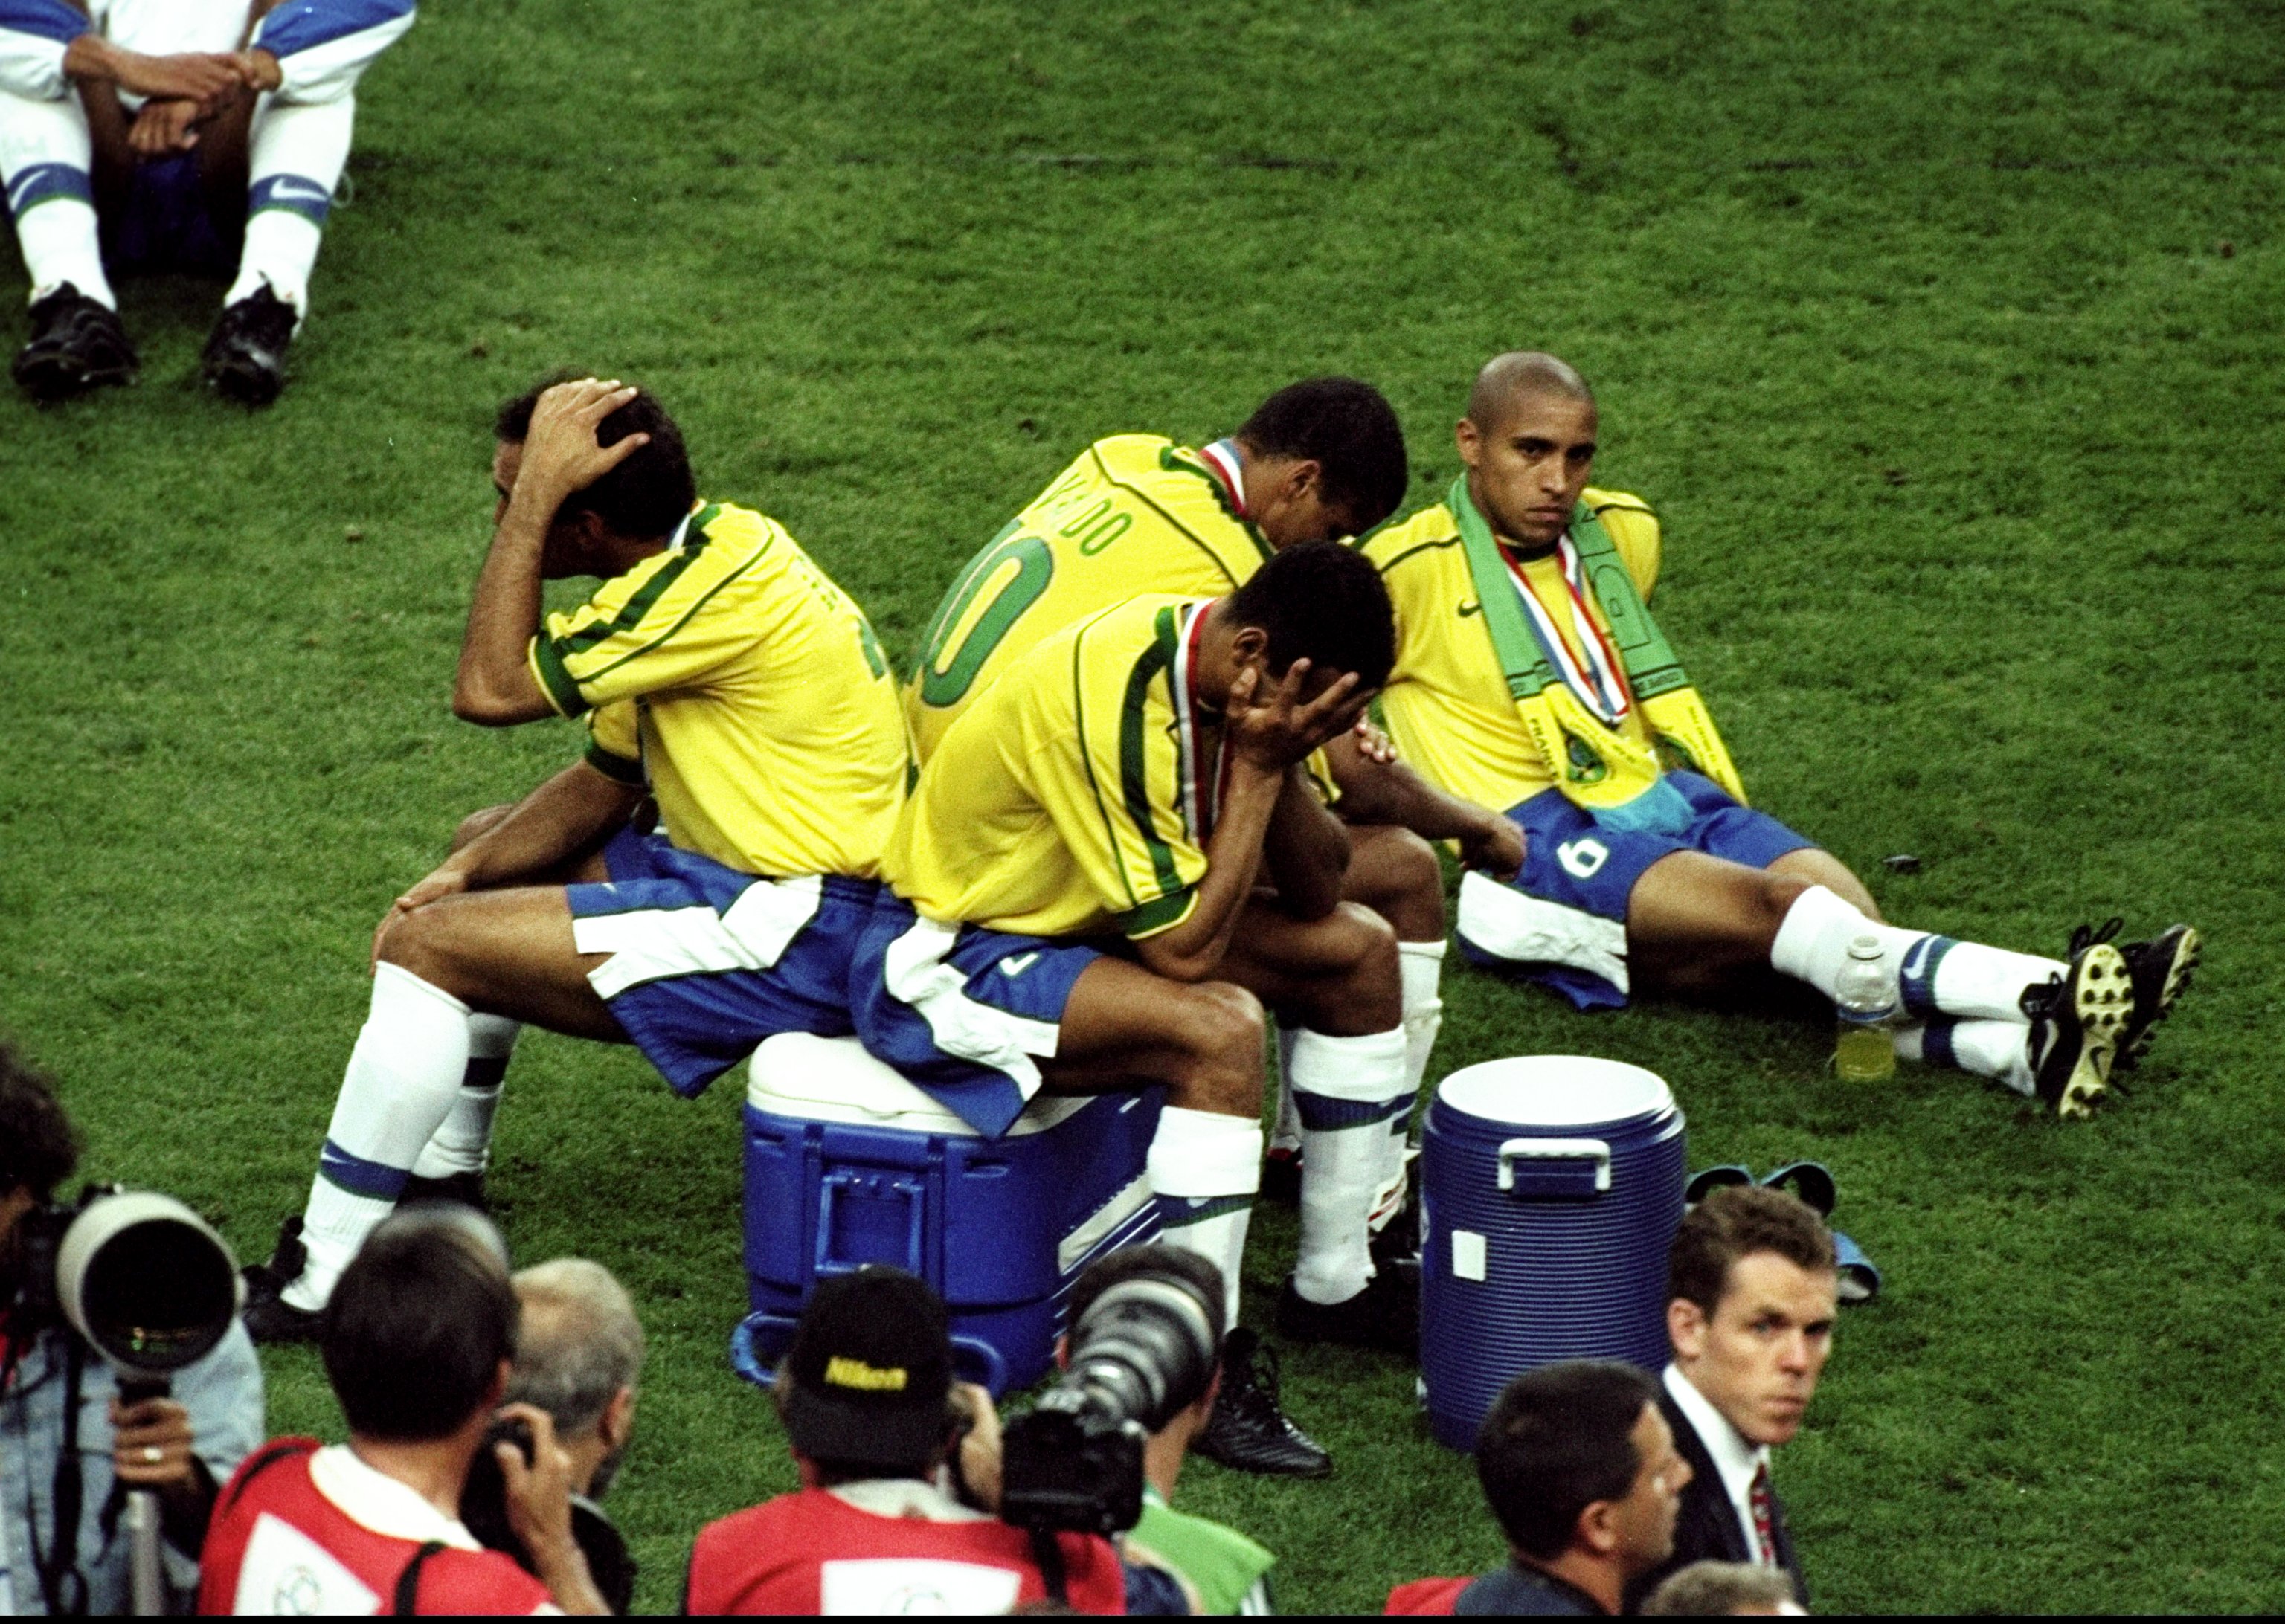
pixel 707 961
pixel 163 223
pixel 962 1012
pixel 1563 921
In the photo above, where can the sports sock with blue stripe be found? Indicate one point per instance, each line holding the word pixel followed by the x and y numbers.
pixel 45 159
pixel 401 1082
pixel 1203 1169
pixel 464 1144
pixel 1936 975
pixel 1347 1090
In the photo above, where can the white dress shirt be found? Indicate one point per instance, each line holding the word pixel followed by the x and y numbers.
pixel 1735 1460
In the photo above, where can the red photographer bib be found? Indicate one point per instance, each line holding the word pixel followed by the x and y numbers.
pixel 885 1547
pixel 302 1529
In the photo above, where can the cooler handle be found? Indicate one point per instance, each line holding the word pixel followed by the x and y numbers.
pixel 1555 1150
pixel 825 1263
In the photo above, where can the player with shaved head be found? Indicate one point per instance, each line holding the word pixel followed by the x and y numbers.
pixel 1531 676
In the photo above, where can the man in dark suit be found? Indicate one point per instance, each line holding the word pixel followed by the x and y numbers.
pixel 1579 1466
pixel 1751 1286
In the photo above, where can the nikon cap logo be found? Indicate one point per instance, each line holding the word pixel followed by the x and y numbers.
pixel 842 1371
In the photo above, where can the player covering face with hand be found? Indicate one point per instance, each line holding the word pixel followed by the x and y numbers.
pixel 1071 905
pixel 1530 675
pixel 719 670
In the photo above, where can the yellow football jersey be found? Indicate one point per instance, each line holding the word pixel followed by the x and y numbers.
pixel 1136 513
pixel 1074 797
pixel 750 691
pixel 1446 704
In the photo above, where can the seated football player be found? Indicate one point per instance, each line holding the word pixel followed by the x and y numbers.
pixel 1530 675
pixel 721 671
pixel 1320 459
pixel 177 134
pixel 1070 905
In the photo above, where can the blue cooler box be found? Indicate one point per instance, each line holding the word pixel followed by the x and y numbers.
pixel 1551 1187
pixel 848 1163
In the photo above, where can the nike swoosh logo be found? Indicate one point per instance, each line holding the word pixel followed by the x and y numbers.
pixel 1467 609
pixel 1015 964
pixel 1916 961
pixel 302 194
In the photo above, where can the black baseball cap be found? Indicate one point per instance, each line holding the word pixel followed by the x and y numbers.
pixel 869 1373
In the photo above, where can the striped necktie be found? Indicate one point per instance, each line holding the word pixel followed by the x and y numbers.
pixel 1764 1515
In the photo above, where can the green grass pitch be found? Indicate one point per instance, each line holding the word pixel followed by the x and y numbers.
pixel 1945 335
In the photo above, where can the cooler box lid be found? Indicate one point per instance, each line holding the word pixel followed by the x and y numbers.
pixel 1555 1091
pixel 833 1079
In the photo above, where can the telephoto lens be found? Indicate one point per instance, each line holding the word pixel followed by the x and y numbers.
pixel 1145 1353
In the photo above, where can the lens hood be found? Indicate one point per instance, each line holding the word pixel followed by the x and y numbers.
pixel 147 1281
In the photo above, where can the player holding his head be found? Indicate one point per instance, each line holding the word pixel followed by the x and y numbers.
pixel 1137 513
pixel 205 132
pixel 1531 676
pixel 1070 905
pixel 722 675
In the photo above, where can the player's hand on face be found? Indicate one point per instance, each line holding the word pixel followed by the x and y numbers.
pixel 1497 849
pixel 1373 744
pixel 538 1494
pixel 561 454
pixel 164 127
pixel 445 883
pixel 151 1445
pixel 1272 726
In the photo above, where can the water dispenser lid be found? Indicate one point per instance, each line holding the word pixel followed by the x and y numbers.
pixel 1556 1091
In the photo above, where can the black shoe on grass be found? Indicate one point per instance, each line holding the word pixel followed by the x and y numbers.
pixel 1385 1315
pixel 1247 1431
pixel 2160 970
pixel 268 1316
pixel 77 345
pixel 245 355
pixel 2076 1021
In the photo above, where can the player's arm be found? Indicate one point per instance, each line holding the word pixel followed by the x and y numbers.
pixel 1270 730
pixel 1307 851
pixel 313 51
pixel 207 78
pixel 566 817
pixel 1374 790
pixel 495 686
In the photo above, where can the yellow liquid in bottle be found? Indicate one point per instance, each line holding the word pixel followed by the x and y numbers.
pixel 1864 1055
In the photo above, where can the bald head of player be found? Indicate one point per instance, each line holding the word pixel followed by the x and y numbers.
pixel 1529 443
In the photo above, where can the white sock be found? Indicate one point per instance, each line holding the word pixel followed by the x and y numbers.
pixel 1347 1088
pixel 295 154
pixel 1205 1168
pixel 45 159
pixel 464 1144
pixel 1288 1134
pixel 400 1085
pixel 1934 974
pixel 1421 967
pixel 1997 1049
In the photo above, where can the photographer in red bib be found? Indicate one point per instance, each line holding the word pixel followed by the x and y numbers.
pixel 1529 675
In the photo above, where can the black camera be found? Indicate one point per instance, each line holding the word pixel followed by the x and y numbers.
pixel 484 1512
pixel 1144 1352
pixel 145 1280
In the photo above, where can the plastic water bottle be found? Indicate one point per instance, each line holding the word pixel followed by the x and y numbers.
pixel 1864 1048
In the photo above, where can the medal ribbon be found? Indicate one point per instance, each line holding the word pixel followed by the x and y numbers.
pixel 1222 458
pixel 1599 685
pixel 1201 796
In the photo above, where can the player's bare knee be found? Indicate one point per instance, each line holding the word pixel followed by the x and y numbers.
pixel 1224 1026
pixel 418 944
pixel 478 823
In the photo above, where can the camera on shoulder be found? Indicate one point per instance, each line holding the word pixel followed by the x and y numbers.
pixel 1143 1352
